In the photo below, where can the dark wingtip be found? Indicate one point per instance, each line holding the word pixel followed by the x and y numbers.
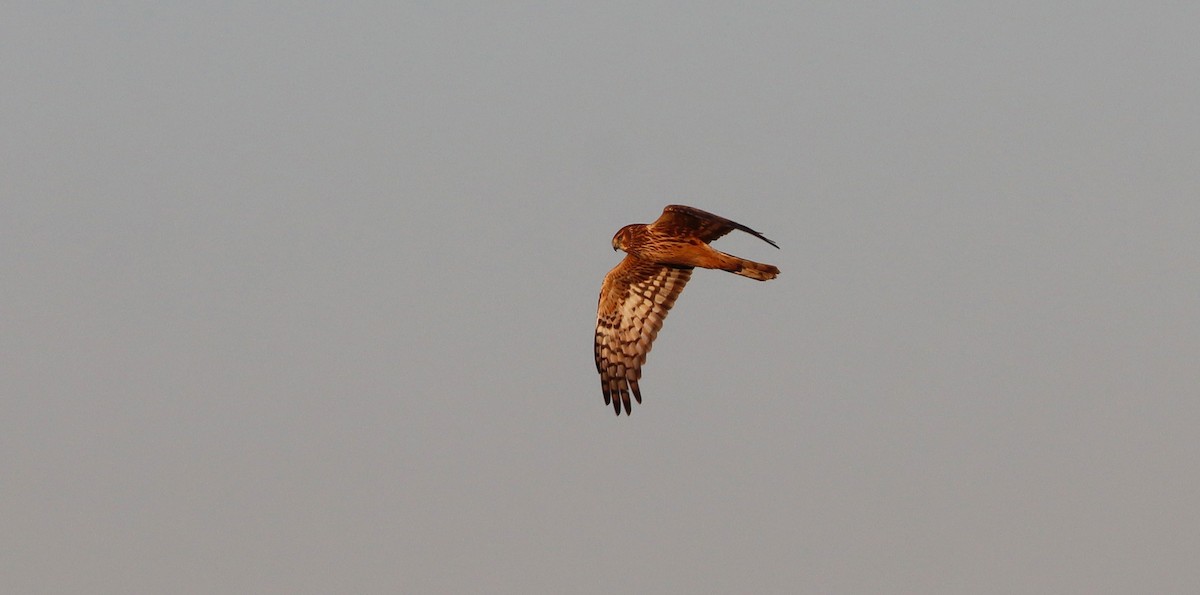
pixel 767 240
pixel 757 234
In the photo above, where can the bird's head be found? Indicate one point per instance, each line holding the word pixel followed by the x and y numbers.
pixel 622 239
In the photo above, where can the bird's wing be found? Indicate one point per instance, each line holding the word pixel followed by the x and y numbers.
pixel 684 221
pixel 634 301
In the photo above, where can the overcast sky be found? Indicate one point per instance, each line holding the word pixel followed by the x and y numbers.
pixel 299 298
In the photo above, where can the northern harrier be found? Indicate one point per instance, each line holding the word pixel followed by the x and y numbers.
pixel 639 291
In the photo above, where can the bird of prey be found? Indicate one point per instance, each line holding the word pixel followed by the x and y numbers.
pixel 639 291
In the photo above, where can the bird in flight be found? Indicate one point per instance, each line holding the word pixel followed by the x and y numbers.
pixel 639 291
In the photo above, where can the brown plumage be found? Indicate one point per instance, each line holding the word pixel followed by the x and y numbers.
pixel 638 292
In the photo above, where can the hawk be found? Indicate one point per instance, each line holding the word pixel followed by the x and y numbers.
pixel 639 291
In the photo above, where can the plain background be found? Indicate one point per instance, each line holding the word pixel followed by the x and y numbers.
pixel 298 298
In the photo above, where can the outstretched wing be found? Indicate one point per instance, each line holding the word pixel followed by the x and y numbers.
pixel 683 221
pixel 634 301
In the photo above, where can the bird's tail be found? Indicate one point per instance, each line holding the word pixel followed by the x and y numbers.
pixel 748 268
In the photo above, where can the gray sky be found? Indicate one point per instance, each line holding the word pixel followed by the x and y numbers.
pixel 299 298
